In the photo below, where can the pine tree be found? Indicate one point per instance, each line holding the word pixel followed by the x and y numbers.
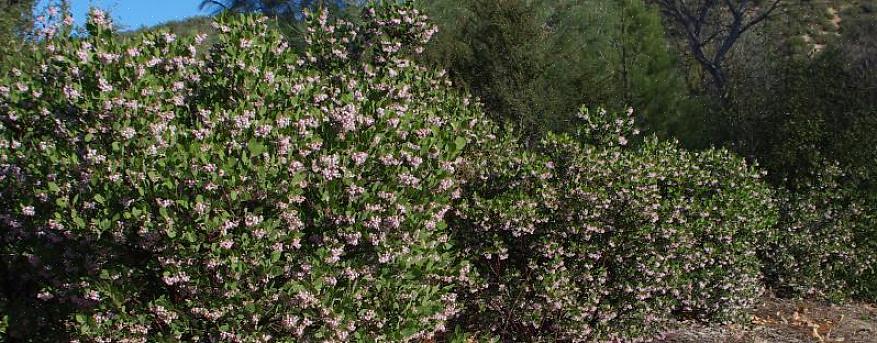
pixel 534 62
pixel 16 17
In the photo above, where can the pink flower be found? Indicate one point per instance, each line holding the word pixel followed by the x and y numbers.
pixel 93 295
pixel 409 180
pixel 328 167
pixel 71 93
pixel 104 85
pixel 45 295
pixel 128 133
pixel 226 244
pixel 252 220
pixel 359 158
pixel 99 17
pixel 200 38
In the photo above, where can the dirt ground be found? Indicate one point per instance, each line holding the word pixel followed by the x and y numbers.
pixel 790 321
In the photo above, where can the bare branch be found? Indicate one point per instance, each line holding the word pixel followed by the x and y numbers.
pixel 761 17
pixel 722 22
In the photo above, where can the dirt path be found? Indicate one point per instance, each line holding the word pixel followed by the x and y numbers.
pixel 791 321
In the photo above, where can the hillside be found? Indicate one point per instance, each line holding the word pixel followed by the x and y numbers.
pixel 186 27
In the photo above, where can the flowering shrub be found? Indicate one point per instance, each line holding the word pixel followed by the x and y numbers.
pixel 155 188
pixel 596 241
pixel 825 242
pixel 150 191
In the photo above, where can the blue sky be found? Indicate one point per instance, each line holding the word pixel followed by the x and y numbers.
pixel 133 14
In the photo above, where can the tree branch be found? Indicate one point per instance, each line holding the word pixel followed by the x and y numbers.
pixel 706 21
pixel 761 17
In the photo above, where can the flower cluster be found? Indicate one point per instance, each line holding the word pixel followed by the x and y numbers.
pixel 605 128
pixel 581 242
pixel 154 188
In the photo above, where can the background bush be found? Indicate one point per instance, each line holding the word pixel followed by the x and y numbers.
pixel 825 241
pixel 602 241
pixel 154 193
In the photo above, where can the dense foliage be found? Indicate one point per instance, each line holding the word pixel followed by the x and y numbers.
pixel 533 63
pixel 603 241
pixel 825 244
pixel 805 108
pixel 310 180
pixel 251 194
pixel 800 113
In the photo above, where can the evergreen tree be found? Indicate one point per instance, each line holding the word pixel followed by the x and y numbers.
pixel 16 19
pixel 534 62
pixel 288 15
pixel 291 11
pixel 652 82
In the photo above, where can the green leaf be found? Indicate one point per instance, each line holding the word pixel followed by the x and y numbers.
pixel 190 237
pixel 460 143
pixel 256 148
